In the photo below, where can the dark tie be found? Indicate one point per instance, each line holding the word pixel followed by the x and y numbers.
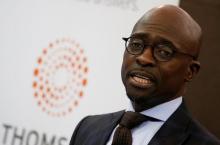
pixel 122 135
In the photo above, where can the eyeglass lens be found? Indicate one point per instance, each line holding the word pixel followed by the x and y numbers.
pixel 162 52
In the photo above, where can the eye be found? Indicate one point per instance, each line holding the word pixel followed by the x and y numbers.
pixel 164 51
pixel 135 45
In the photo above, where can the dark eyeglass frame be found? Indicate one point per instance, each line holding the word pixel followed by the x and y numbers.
pixel 174 50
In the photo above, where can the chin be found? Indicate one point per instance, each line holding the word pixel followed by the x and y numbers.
pixel 140 102
pixel 145 99
pixel 139 96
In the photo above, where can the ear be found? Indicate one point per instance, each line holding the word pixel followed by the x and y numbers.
pixel 192 70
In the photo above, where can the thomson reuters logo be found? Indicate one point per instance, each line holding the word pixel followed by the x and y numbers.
pixel 60 77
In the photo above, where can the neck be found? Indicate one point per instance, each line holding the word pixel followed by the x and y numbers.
pixel 141 106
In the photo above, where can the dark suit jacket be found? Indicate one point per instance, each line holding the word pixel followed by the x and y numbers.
pixel 179 129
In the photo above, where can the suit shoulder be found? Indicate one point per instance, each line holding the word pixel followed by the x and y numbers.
pixel 99 121
pixel 201 134
pixel 95 125
pixel 108 114
pixel 93 119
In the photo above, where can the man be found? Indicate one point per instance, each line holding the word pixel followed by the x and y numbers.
pixel 159 60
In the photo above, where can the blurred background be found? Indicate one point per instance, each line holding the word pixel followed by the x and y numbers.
pixel 60 61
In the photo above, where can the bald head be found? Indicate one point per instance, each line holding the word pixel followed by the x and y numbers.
pixel 173 23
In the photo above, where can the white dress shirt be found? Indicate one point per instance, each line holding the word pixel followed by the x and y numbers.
pixel 142 134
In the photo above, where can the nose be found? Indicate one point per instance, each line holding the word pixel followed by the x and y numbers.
pixel 146 58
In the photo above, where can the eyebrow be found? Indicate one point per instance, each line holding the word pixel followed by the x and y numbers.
pixel 146 35
pixel 158 39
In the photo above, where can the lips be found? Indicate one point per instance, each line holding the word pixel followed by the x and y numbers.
pixel 141 79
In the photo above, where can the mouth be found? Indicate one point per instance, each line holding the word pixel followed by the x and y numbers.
pixel 141 79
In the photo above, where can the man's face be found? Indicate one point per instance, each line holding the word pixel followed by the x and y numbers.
pixel 147 81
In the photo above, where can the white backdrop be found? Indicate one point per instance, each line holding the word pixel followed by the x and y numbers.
pixel 35 37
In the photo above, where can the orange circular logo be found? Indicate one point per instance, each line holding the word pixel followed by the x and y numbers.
pixel 60 77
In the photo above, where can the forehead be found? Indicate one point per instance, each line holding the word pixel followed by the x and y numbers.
pixel 155 32
pixel 162 31
pixel 171 25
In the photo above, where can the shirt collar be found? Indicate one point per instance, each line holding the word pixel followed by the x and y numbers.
pixel 162 111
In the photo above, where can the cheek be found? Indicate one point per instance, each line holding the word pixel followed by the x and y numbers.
pixel 124 66
pixel 127 61
pixel 173 74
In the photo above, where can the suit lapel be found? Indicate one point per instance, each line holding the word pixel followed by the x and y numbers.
pixel 174 131
pixel 104 133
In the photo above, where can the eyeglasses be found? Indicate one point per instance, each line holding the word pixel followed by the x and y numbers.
pixel 161 52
